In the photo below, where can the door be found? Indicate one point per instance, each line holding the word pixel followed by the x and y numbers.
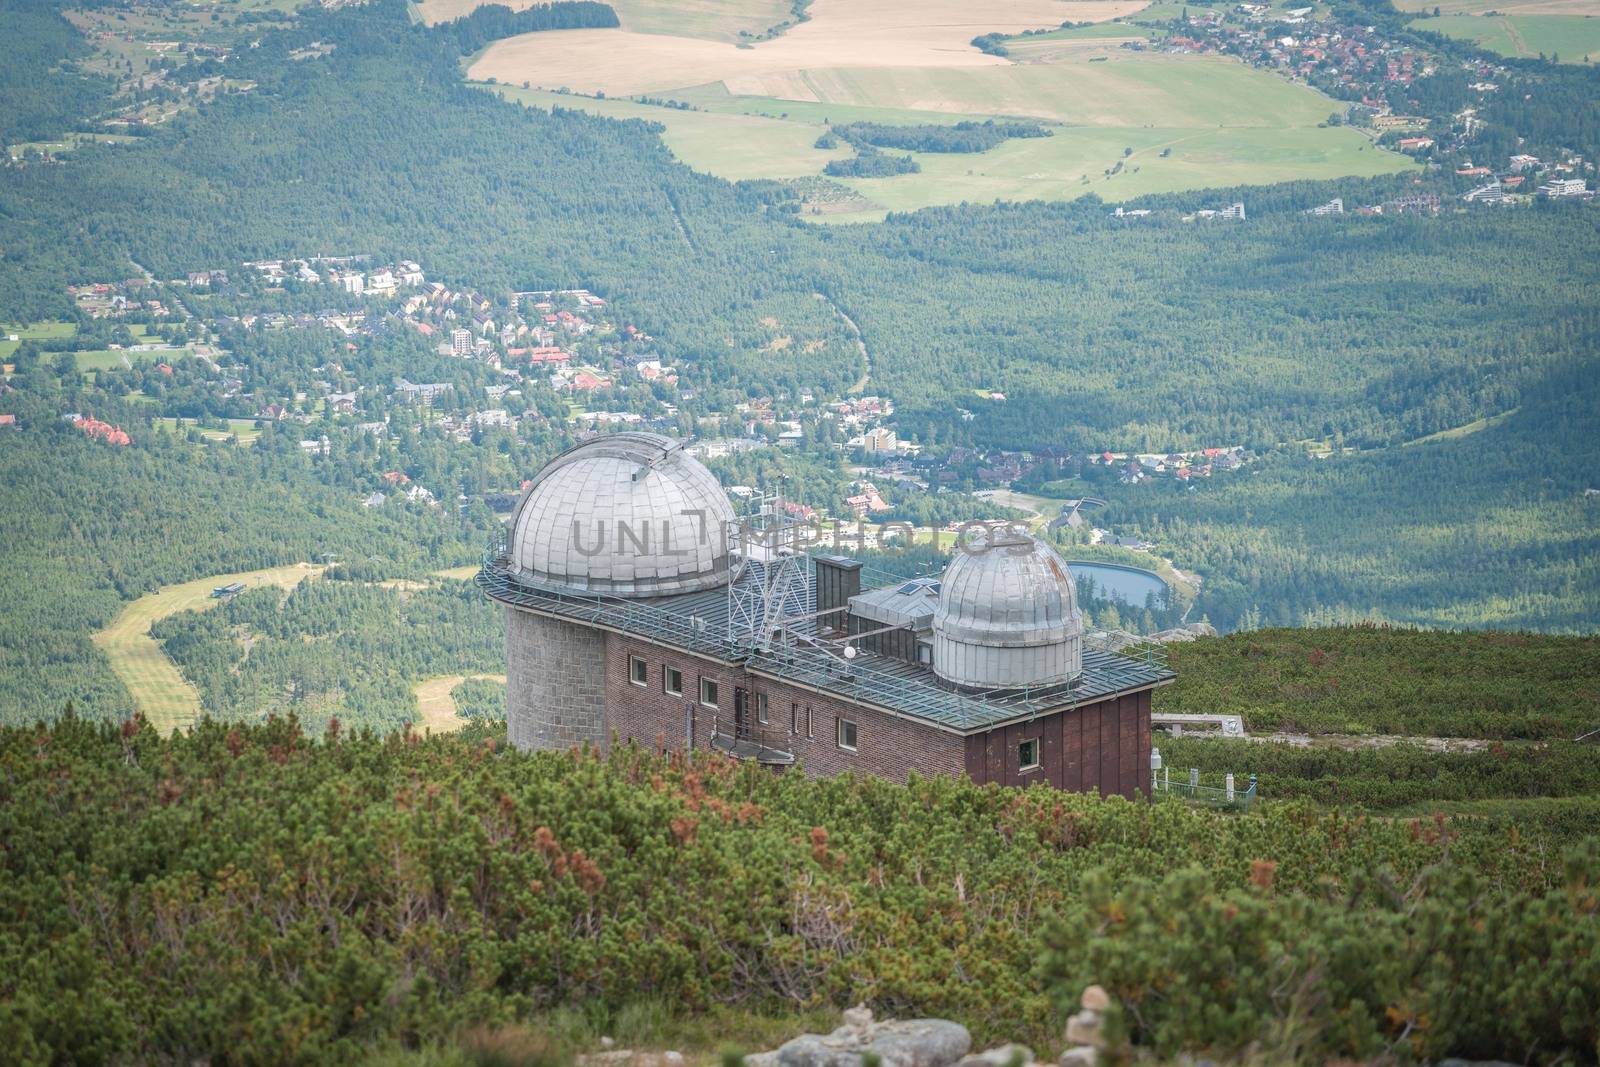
pixel 741 715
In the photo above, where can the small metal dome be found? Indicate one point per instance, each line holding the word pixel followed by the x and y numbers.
pixel 626 514
pixel 1008 616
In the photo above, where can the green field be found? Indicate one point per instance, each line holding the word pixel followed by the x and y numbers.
pixel 731 146
pixel 245 430
pixel 1573 38
pixel 38 331
pixel 110 359
pixel 1218 121
pixel 159 691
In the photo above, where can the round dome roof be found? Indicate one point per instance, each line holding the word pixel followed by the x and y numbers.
pixel 626 514
pixel 1008 616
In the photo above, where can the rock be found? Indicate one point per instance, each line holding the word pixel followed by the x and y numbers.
pixel 1095 998
pixel 858 1020
pixel 606 1042
pixel 1201 629
pixel 910 1043
pixel 1084 1029
pixel 1004 1056
pixel 1082 1056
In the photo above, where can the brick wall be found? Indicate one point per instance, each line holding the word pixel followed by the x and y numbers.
pixel 885 745
pixel 1101 747
pixel 555 683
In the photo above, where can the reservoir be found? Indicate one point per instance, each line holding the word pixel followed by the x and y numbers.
pixel 1128 584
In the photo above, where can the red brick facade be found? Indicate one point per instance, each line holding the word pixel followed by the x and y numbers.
pixel 1103 746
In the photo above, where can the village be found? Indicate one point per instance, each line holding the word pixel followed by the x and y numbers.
pixel 593 370
pixel 1359 64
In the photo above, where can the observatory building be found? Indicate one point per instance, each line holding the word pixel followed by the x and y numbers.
pixel 640 607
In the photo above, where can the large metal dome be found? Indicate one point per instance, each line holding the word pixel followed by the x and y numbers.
pixel 626 514
pixel 1008 616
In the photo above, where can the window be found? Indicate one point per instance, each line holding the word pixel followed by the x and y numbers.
pixel 708 692
pixel 761 708
pixel 1028 754
pixel 847 735
pixel 808 722
pixel 794 719
pixel 672 681
pixel 638 670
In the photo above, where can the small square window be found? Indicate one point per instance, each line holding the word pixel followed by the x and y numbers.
pixel 672 681
pixel 638 670
pixel 708 692
pixel 1028 754
pixel 761 708
pixel 847 735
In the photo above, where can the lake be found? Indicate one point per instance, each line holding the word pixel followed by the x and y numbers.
pixel 1127 584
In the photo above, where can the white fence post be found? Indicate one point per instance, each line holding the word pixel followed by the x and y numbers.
pixel 1228 787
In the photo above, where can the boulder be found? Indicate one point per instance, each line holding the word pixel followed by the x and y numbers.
pixel 1082 1056
pixel 1095 998
pixel 908 1043
pixel 1004 1056
pixel 1084 1029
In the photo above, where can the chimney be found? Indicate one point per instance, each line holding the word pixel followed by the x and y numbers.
pixel 838 579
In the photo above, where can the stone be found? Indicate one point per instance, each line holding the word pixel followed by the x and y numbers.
pixel 1084 1029
pixel 858 1020
pixel 908 1043
pixel 1082 1056
pixel 1004 1056
pixel 1095 998
pixel 607 1042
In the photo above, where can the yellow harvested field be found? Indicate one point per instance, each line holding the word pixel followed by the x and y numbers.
pixel 840 34
pixel 436 705
pixel 159 691
pixel 459 574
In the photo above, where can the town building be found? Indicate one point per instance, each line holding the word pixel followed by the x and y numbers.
pixel 640 608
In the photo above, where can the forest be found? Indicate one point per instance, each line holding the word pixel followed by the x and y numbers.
pixel 1373 679
pixel 334 649
pixel 1152 335
pixel 961 137
pixel 343 896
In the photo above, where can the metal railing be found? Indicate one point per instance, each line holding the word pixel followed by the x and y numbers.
pixel 1225 797
pixel 791 659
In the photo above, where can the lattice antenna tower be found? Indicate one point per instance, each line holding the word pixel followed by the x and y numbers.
pixel 772 586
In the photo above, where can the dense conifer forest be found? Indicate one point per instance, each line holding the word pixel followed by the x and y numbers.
pixel 1351 335
pixel 250 893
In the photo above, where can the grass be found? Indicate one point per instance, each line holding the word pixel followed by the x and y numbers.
pixel 108 359
pixel 49 330
pixel 1073 162
pixel 1575 39
pixel 245 430
pixel 1507 7
pixel 726 21
pixel 158 689
pixel 436 701
pixel 1218 121
pixel 1475 426
pixel 730 146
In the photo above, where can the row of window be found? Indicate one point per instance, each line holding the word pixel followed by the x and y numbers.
pixel 844 730
pixel 672 685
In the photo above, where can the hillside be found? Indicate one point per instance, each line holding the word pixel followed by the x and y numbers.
pixel 250 893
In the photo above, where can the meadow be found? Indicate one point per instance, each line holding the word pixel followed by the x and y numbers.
pixel 1574 38
pixel 1505 7
pixel 1134 125
pixel 728 21
pixel 159 690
